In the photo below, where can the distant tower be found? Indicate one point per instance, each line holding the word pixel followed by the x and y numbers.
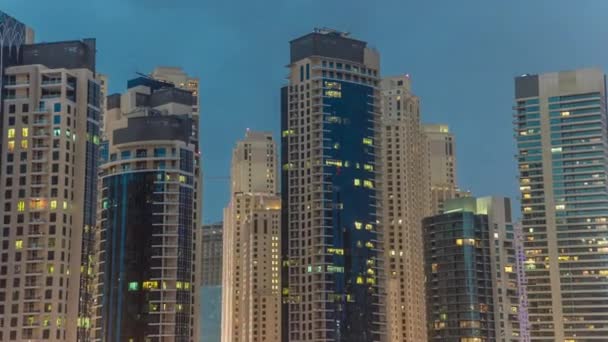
pixel 211 276
pixel 405 202
pixel 330 154
pixel 442 151
pixel 251 294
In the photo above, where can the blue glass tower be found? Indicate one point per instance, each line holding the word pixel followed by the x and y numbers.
pixel 331 238
pixel 148 288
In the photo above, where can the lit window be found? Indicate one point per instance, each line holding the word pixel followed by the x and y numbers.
pixel 65 205
pixel 24 144
pixel 50 268
pixel 359 280
pixel 24 132
pixel 11 133
pixel 368 184
pixel 560 207
pixel 556 149
pixel 333 94
pixel 369 245
pixel 368 141
pixel 11 145
pixel 21 206
pixel 357 182
pixel 133 286
pixel 358 225
pixel 509 269
pixel 178 285
pixel 368 226
pixel 565 113
pixel 19 244
pixel 53 205
pixel 148 285
pixel 434 268
pixel 331 162
pixel 368 167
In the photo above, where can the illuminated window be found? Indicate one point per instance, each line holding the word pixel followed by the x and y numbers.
pixel 148 285
pixel 65 205
pixel 11 145
pixel 19 244
pixel 24 132
pixel 439 325
pixel 11 133
pixel 24 144
pixel 332 162
pixel 527 196
pixel 368 167
pixel 560 207
pixel 358 225
pixel 434 268
pixel 21 206
pixel 470 324
pixel 50 268
pixel 53 205
pixel 335 269
pixel 357 182
pixel 179 285
pixel 368 184
pixel 369 226
pixel 459 242
pixel 133 286
pixel 182 179
pixel 368 141
pixel 565 113
pixel 287 132
pixel 556 149
pixel 509 269
pixel 57 132
pixel 369 245
pixel 359 280
pixel 332 85
pixel 333 94
pixel 186 285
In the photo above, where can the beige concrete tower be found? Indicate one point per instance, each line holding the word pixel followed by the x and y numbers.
pixel 442 152
pixel 50 137
pixel 405 202
pixel 251 296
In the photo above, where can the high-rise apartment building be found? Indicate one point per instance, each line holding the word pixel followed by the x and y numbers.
pixel 332 237
pixel 442 156
pixel 471 271
pixel 50 137
pixel 560 125
pixel 211 277
pixel 405 202
pixel 251 293
pixel 148 241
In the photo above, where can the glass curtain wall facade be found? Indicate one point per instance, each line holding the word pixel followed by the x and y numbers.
pixel 148 287
pixel 560 126
pixel 332 242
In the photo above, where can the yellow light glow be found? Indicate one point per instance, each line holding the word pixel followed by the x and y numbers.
pixel 19 244
pixel 24 132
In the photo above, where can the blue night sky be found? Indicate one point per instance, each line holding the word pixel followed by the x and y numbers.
pixel 462 56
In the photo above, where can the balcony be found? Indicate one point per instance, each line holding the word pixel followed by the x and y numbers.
pixel 51 81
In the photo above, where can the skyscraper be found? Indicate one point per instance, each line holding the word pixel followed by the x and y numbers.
pixel 211 276
pixel 442 154
pixel 405 202
pixel 560 125
pixel 50 136
pixel 148 244
pixel 471 271
pixel 331 238
pixel 251 304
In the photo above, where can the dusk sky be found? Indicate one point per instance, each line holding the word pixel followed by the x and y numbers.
pixel 462 56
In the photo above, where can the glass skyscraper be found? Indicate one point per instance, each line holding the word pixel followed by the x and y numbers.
pixel 332 242
pixel 148 283
pixel 560 126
